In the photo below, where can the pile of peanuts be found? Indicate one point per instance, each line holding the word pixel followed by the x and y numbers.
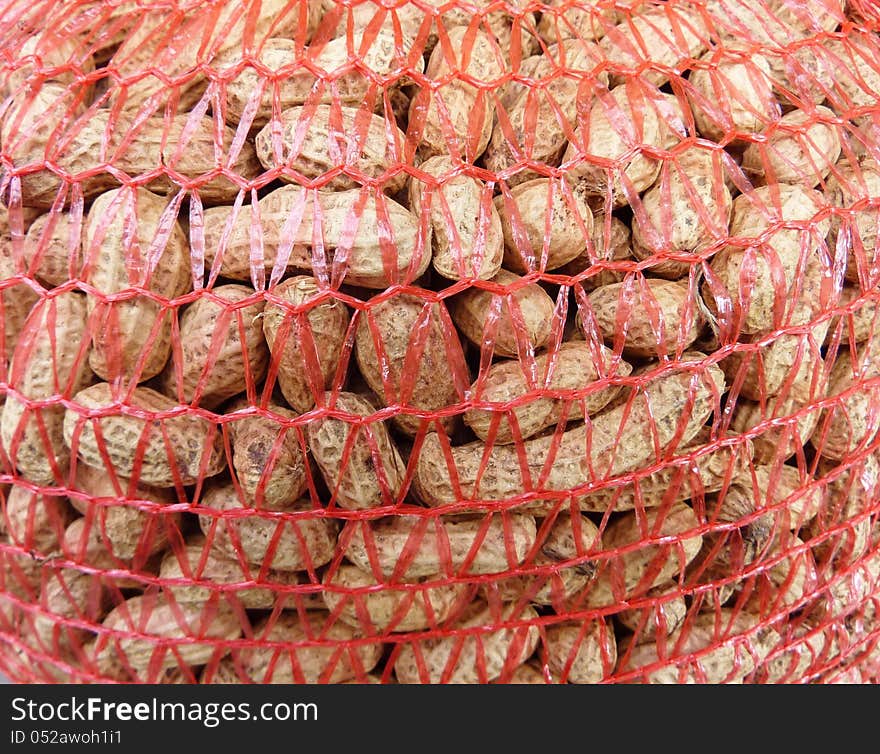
pixel 518 343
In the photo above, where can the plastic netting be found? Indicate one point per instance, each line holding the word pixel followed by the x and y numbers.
pixel 440 342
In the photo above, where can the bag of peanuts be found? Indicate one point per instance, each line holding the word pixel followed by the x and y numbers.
pixel 534 342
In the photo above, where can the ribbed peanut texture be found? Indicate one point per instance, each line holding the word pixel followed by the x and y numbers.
pixel 309 649
pixel 580 652
pixel 646 316
pixel 138 633
pixel 34 522
pixel 51 360
pixel 562 542
pixel 222 351
pixel 569 372
pixel 288 536
pixel 520 316
pixel 467 240
pixel 672 407
pixel 130 527
pixel 633 572
pixel 313 141
pixel 268 457
pixel 352 225
pixel 134 247
pixel 143 436
pixel 407 357
pixel 545 223
pixel 306 331
pixel 358 459
pixel 405 607
pixel 53 248
pixel 412 547
pixel 473 657
pixel 466 112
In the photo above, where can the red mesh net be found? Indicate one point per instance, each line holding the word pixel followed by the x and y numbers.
pixel 440 342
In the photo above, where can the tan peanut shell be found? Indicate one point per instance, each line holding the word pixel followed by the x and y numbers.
pixel 268 457
pixel 610 241
pixel 66 595
pixel 359 461
pixel 197 632
pixel 458 108
pixel 34 522
pixel 314 141
pixel 16 302
pixel 287 227
pixel 687 209
pixel 222 351
pixel 789 577
pixel 568 539
pixel 525 315
pixel 377 57
pixel 769 254
pixel 632 573
pixel 722 648
pixel 731 94
pixel 861 317
pixel 847 185
pixel 799 148
pixel 86 543
pixel 527 674
pixel 538 121
pixel 787 493
pixel 200 563
pixel 466 237
pixel 131 338
pixel 111 506
pixel 473 657
pixel 661 617
pixel 413 547
pixel 53 248
pixel 283 536
pixel 852 421
pixel 588 20
pixel 410 359
pixel 650 317
pixel 611 131
pixel 180 43
pixel 44 51
pixel 580 652
pixel 708 471
pixel 162 452
pixel 411 607
pixel 645 423
pixel 51 359
pixel 306 332
pixel 570 370
pixel 534 207
pixel 308 649
pixel 781 426
pixel 646 42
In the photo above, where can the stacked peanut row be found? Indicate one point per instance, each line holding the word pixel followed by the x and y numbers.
pixel 537 345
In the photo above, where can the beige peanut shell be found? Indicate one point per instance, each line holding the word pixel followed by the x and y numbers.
pixel 286 536
pixel 472 657
pixel 306 331
pixel 287 227
pixel 580 652
pixel 51 359
pixel 53 248
pixel 413 547
pixel 310 648
pixel 467 236
pixel 427 603
pixel 131 337
pixel 34 522
pixel 408 355
pixel 359 461
pixel 571 370
pixel 220 349
pixel 315 141
pixel 522 313
pixel 177 449
pixel 559 466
